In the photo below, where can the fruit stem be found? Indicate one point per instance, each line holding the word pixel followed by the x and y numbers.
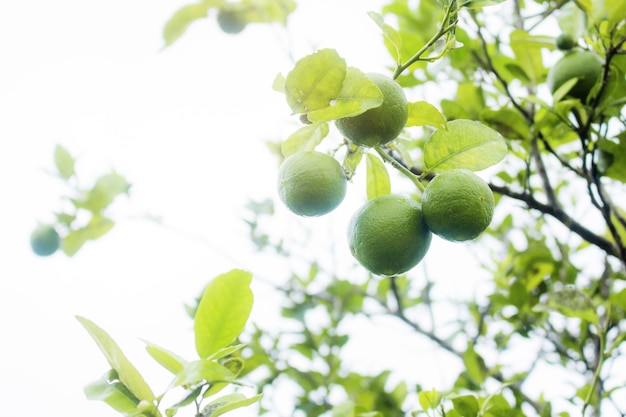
pixel 397 165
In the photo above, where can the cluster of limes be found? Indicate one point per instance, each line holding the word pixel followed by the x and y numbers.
pixel 390 234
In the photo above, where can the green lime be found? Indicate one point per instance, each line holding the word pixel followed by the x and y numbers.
pixel 44 240
pixel 311 183
pixel 388 235
pixel 230 21
pixel 585 66
pixel 458 205
pixel 565 41
pixel 381 124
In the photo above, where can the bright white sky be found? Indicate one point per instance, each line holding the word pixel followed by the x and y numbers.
pixel 187 127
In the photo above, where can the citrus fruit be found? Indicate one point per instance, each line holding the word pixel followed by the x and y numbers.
pixel 230 21
pixel 565 41
pixel 586 66
pixel 44 240
pixel 388 235
pixel 311 183
pixel 382 124
pixel 458 205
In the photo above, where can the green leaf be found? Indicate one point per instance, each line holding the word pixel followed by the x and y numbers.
pixel 223 311
pixel 571 302
pixel 474 365
pixel 344 409
pixel 378 183
pixel 422 113
pixel 64 162
pixel 509 122
pixel 202 370
pixel 315 80
pixel 128 374
pixel 165 358
pixel 466 405
pixel 177 25
pixel 390 34
pixel 96 228
pixel 612 157
pixel 113 393
pixel 103 193
pixel 305 139
pixel 228 403
pixel 430 400
pixel 352 159
pixel 466 144
pixel 527 50
pixel 358 94
pixel 476 4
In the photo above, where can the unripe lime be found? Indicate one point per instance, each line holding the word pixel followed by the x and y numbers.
pixel 311 183
pixel 230 21
pixel 565 41
pixel 388 235
pixel 586 66
pixel 458 205
pixel 381 124
pixel 44 240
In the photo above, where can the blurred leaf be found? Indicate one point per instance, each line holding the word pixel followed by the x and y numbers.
pixel 352 159
pixel 378 183
pixel 177 25
pixel 423 113
pixel 201 370
pixel 165 358
pixel 315 80
pixel 96 228
pixel 474 365
pixel 466 144
pixel 527 49
pixel 305 139
pixel 64 162
pixel 105 190
pixel 571 302
pixel 223 311
pixel 128 374
pixel 392 36
pixel 466 405
pixel 509 122
pixel 358 94
pixel 264 11
pixel 476 4
pixel 228 403
pixel 430 400
pixel 612 160
pixel 113 393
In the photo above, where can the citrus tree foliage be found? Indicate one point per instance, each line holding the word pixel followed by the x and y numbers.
pixel 556 255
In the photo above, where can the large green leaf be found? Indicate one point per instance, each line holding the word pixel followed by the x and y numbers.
pixel 358 94
pixel 466 405
pixel 466 144
pixel 223 311
pixel 315 80
pixel 228 403
pixel 126 371
pixel 422 113
pixel 378 183
pixel 64 162
pixel 305 139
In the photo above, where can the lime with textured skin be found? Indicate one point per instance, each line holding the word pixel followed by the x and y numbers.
pixel 458 205
pixel 388 235
pixel 45 240
pixel 311 183
pixel 586 66
pixel 382 124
